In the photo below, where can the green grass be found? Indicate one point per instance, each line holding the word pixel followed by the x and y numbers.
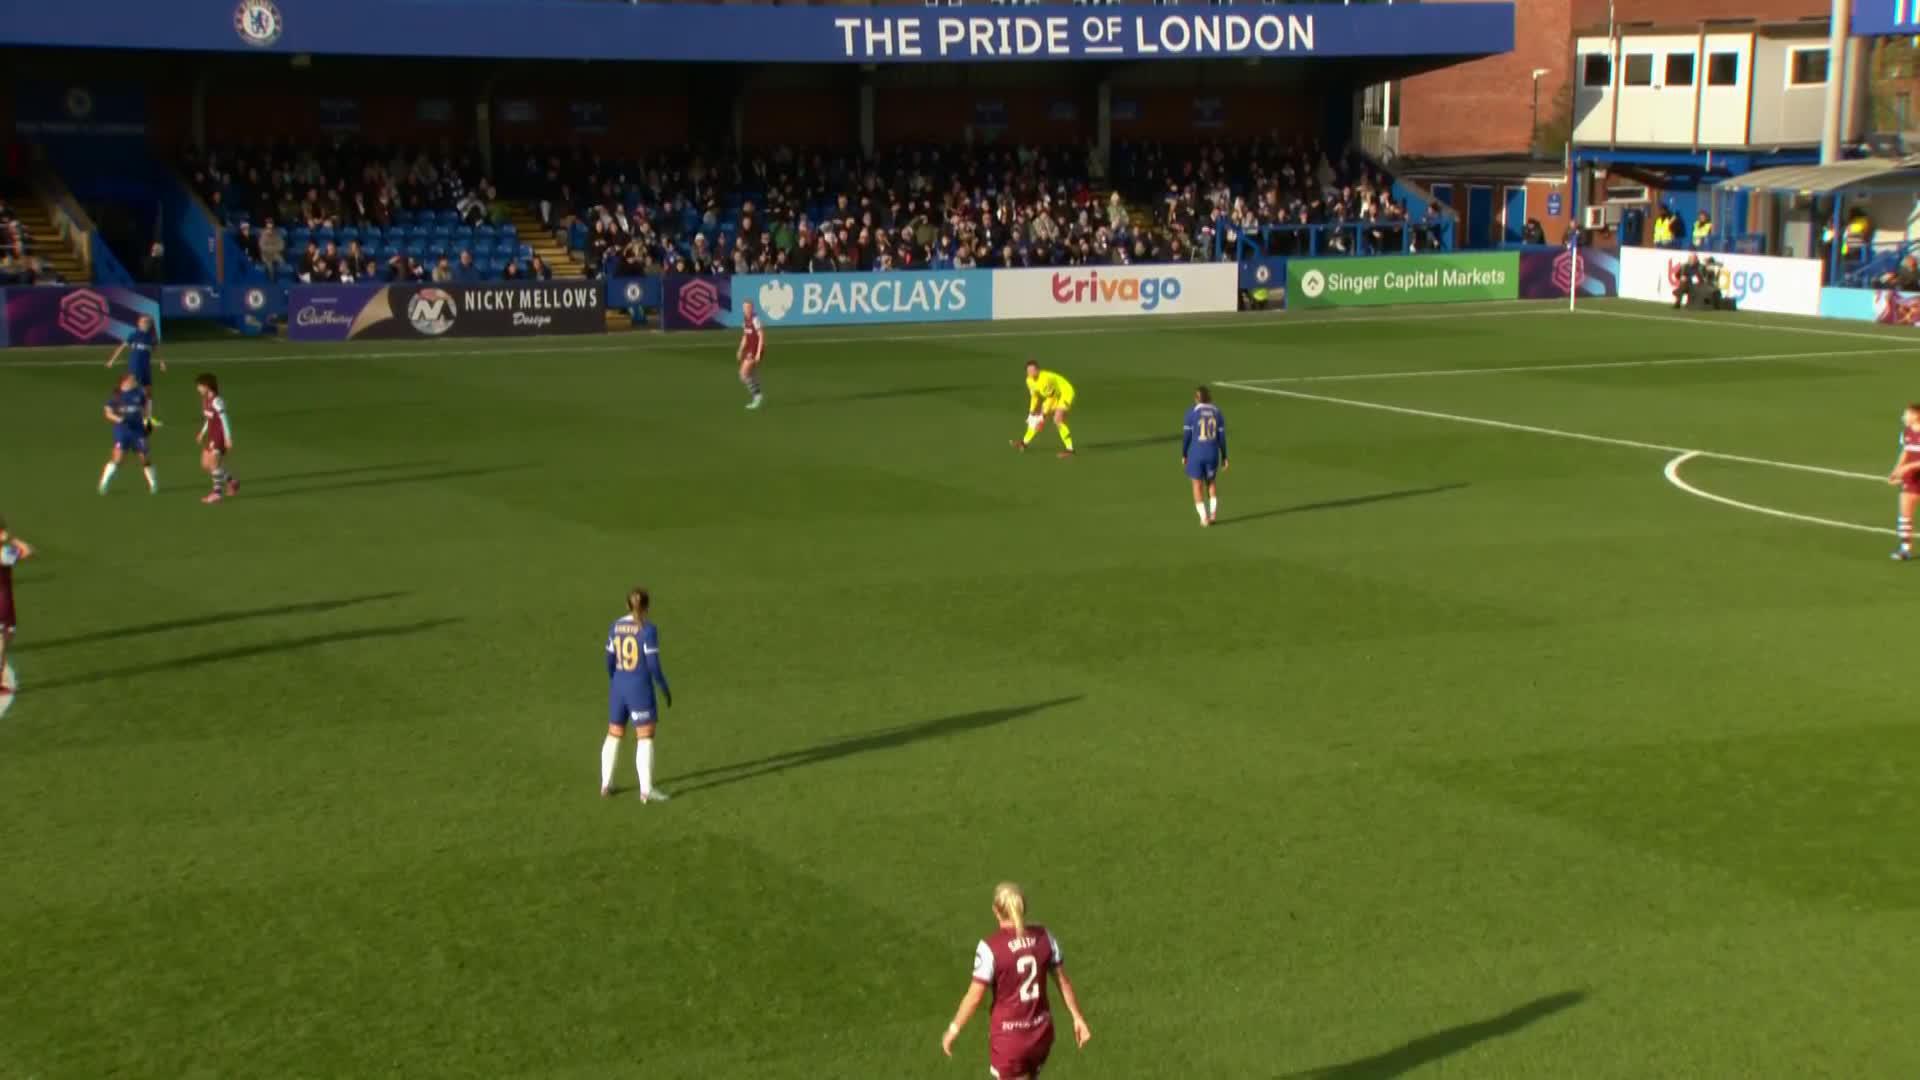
pixel 1459 751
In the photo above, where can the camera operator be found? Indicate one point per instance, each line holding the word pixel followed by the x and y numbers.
pixel 1686 284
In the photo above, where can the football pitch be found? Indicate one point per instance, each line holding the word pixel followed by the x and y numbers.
pixel 1541 707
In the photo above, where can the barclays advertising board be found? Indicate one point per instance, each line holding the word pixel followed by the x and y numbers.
pixel 916 296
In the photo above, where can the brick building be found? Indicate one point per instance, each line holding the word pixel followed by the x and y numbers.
pixel 1657 97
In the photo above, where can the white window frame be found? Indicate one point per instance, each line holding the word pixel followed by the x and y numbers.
pixel 1793 52
pixel 1739 66
pixel 1666 68
pixel 1584 84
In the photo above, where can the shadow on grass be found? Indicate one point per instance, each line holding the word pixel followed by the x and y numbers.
pixel 350 470
pixel 470 472
pixel 217 618
pixel 1428 1049
pixel 1132 444
pixel 885 739
pixel 246 652
pixel 1339 504
pixel 891 392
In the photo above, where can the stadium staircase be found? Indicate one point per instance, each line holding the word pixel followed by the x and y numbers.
pixel 553 251
pixel 48 242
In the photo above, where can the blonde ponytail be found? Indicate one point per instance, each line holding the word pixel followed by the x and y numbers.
pixel 1011 904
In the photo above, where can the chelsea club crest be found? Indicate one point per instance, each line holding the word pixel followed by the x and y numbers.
pixel 258 22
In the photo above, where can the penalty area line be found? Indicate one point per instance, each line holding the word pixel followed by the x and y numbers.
pixel 1673 477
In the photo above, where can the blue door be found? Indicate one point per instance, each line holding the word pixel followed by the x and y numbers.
pixel 1442 211
pixel 1479 217
pixel 1516 214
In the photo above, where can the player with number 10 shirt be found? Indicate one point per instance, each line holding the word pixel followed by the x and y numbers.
pixel 1012 964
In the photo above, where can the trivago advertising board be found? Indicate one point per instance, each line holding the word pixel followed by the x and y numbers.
pixel 1755 282
pixel 343 312
pixel 1151 289
pixel 843 299
pixel 1402 279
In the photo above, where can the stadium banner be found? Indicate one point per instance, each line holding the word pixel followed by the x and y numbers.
pixel 65 108
pixel 761 33
pixel 1888 307
pixel 1878 18
pixel 1147 289
pixel 690 302
pixel 1372 280
pixel 631 292
pixel 1756 282
pixel 1549 275
pixel 908 296
pixel 353 312
pixel 43 315
pixel 1264 272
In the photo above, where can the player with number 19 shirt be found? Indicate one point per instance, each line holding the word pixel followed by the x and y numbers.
pixel 753 345
pixel 1012 964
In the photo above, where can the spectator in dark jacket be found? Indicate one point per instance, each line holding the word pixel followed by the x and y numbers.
pixel 466 270
pixel 538 270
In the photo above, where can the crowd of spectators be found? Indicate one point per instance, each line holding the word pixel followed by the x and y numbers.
pixel 331 213
pixel 956 207
pixel 1282 198
pixel 349 212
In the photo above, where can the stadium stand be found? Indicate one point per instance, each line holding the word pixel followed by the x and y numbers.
pixel 954 206
pixel 352 212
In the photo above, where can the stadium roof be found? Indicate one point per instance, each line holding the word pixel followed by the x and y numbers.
pixel 1862 176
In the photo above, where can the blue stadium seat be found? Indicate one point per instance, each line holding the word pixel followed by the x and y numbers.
pixel 508 232
pixel 526 252
pixel 297 239
pixel 449 217
pixel 403 217
pixel 483 246
pixel 323 234
pixel 386 251
pixel 577 236
pixel 347 234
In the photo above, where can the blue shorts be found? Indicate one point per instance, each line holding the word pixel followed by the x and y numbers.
pixel 624 709
pixel 143 376
pixel 1202 468
pixel 130 440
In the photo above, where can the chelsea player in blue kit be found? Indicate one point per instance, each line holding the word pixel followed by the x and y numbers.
pixel 1203 450
pixel 633 670
pixel 128 411
pixel 139 348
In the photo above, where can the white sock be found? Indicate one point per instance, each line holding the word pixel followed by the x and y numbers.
pixel 1213 505
pixel 153 481
pixel 609 753
pixel 643 765
pixel 106 475
pixel 1201 509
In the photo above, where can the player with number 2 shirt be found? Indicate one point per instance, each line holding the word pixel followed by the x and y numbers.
pixel 1012 964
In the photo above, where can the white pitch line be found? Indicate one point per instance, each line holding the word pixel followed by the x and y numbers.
pixel 1593 366
pixel 1673 477
pixel 716 340
pixel 1738 324
pixel 1557 433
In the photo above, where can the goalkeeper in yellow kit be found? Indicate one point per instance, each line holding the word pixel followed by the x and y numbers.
pixel 1048 395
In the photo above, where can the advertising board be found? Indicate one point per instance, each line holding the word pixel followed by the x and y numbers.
pixel 1549 275
pixel 1402 279
pixel 915 296
pixel 1754 282
pixel 1149 289
pixel 352 312
pixel 1888 307
pixel 75 315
